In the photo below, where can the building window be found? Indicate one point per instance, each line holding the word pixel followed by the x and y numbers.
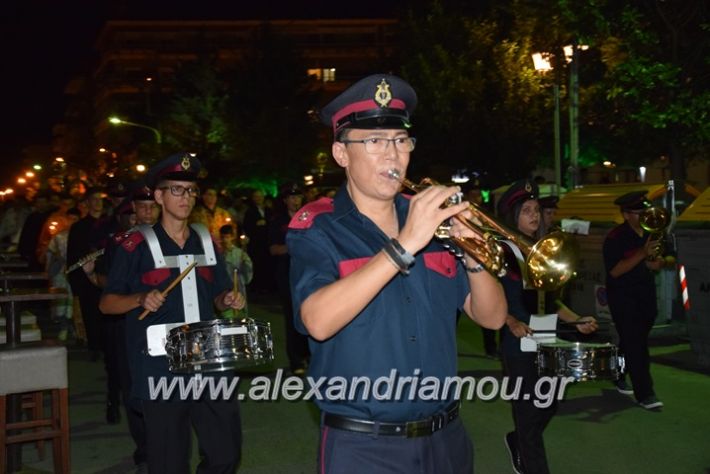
pixel 325 74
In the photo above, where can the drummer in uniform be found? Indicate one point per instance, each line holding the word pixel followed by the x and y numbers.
pixel 145 264
pixel 519 209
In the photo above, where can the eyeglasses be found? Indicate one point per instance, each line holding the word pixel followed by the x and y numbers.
pixel 179 190
pixel 376 145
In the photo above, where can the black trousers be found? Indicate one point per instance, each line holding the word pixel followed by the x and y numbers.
pixel 89 296
pixel 118 381
pixel 634 312
pixel 489 341
pixel 530 421
pixel 219 435
pixel 448 451
pixel 296 343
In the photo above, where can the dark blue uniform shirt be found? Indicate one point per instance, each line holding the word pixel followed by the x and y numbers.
pixel 521 302
pixel 409 325
pixel 620 243
pixel 132 271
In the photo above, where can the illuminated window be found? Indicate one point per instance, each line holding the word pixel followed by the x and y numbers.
pixel 325 74
pixel 329 74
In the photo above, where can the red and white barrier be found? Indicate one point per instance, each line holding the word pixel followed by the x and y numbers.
pixel 684 287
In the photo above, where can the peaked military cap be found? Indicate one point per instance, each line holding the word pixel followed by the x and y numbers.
pixel 290 189
pixel 518 192
pixel 548 202
pixel 633 201
pixel 116 188
pixel 142 193
pixel 178 167
pixel 94 190
pixel 377 101
pixel 124 207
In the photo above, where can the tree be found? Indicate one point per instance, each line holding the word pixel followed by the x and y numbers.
pixel 197 115
pixel 480 103
pixel 656 80
pixel 643 82
pixel 271 104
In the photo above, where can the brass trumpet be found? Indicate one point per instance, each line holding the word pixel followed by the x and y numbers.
pixel 655 221
pixel 549 262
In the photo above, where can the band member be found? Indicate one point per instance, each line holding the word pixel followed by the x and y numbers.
pixel 85 237
pixel 145 264
pixel 296 343
pixel 378 295
pixel 138 208
pixel 631 289
pixel 520 209
pixel 548 208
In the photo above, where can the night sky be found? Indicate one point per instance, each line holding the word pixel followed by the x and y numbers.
pixel 45 43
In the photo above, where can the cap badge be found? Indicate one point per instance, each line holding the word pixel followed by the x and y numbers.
pixel 383 96
pixel 528 187
pixel 185 163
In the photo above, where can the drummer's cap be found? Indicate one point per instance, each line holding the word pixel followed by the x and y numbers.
pixel 379 101
pixel 633 201
pixel 518 192
pixel 548 202
pixel 177 167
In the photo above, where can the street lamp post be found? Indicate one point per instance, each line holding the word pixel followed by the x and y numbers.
pixel 543 64
pixel 156 132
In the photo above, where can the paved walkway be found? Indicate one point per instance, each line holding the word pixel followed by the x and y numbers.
pixel 597 430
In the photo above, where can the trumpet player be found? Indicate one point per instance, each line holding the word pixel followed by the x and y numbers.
pixel 378 296
pixel 630 259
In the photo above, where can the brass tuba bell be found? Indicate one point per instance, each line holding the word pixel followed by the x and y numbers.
pixel 655 221
pixel 549 262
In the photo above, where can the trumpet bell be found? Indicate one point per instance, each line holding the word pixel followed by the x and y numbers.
pixel 552 261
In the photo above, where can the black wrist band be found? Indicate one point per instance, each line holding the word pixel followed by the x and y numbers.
pixel 477 269
pixel 399 257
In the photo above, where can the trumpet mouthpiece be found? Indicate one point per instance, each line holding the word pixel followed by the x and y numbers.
pixel 394 174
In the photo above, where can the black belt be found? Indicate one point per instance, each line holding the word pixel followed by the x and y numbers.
pixel 409 429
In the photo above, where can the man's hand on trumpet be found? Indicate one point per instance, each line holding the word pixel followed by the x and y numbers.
pixel 426 213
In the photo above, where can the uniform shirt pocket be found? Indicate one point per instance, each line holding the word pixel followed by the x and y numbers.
pixel 346 267
pixel 155 277
pixel 206 273
pixel 443 263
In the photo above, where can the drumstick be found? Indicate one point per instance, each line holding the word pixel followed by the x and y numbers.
pixel 172 285
pixel 235 288
pixel 553 331
pixel 577 323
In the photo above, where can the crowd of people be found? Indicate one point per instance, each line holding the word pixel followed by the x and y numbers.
pixel 365 290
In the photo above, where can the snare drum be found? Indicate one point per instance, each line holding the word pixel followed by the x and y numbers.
pixel 582 361
pixel 219 345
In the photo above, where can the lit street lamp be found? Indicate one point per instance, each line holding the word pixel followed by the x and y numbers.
pixel 543 64
pixel 572 57
pixel 156 132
